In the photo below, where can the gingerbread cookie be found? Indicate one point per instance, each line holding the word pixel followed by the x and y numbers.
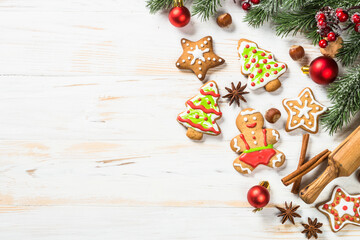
pixel 202 112
pixel 303 112
pixel 255 143
pixel 260 66
pixel 198 56
pixel 342 209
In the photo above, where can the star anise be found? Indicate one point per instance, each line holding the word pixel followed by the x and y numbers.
pixel 312 229
pixel 289 212
pixel 236 93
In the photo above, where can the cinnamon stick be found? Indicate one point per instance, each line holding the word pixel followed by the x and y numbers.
pixel 307 167
pixel 305 140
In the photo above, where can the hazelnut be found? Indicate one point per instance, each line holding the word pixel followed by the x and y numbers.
pixel 272 115
pixel 224 20
pixel 358 175
pixel 296 52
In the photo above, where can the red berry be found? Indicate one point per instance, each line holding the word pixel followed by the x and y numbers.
pixel 255 1
pixel 355 18
pixel 342 16
pixel 324 32
pixel 323 43
pixel 322 23
pixel 320 16
pixel 331 36
pixel 246 6
pixel 357 27
pixel 339 10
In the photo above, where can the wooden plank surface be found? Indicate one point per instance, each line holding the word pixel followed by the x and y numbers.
pixel 89 145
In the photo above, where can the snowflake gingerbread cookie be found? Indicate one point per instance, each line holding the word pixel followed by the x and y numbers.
pixel 342 209
pixel 260 66
pixel 255 143
pixel 202 112
pixel 198 56
pixel 303 112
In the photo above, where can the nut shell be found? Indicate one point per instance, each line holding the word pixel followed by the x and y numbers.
pixel 272 115
pixel 224 20
pixel 296 52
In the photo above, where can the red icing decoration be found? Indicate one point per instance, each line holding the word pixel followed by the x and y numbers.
pixel 211 85
pixel 264 61
pixel 336 226
pixel 333 204
pixel 212 93
pixel 205 118
pixel 268 66
pixel 199 99
pixel 345 208
pixel 246 144
pixel 257 65
pixel 253 60
pixel 195 125
pixel 245 56
pixel 326 206
pixel 202 108
pixel 275 72
pixel 259 157
pixel 188 111
pixel 335 214
pixel 254 51
pixel 332 211
pixel 282 66
pixel 262 54
pixel 252 125
pixel 254 137
pixel 247 65
pixel 270 57
pixel 347 216
pixel 208 102
pixel 215 104
pixel 336 219
pixel 264 132
pixel 251 76
pixel 276 65
pixel 261 79
pixel 267 74
pixel 247 46
pixel 259 71
pixel 347 199
pixel 343 219
pixel 252 84
pixel 339 190
pixel 196 116
pixel 351 219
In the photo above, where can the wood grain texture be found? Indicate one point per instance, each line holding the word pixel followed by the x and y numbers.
pixel 90 147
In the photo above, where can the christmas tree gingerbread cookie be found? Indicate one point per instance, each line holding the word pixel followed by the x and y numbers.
pixel 198 56
pixel 303 112
pixel 255 143
pixel 341 209
pixel 260 66
pixel 202 112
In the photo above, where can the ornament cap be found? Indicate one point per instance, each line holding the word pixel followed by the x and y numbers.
pixel 178 3
pixel 265 184
pixel 305 69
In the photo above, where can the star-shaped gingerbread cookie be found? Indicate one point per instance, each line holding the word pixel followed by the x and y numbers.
pixel 341 209
pixel 198 56
pixel 303 112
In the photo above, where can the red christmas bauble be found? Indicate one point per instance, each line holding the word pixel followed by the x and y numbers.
pixel 323 43
pixel 331 36
pixel 342 16
pixel 258 196
pixel 323 70
pixel 246 6
pixel 355 18
pixel 179 16
pixel 357 27
pixel 255 1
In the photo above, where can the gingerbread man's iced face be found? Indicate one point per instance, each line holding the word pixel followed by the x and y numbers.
pixel 249 120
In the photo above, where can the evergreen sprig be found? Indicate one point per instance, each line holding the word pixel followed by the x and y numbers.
pixel 350 50
pixel 262 12
pixel 345 96
pixel 205 8
pixel 157 5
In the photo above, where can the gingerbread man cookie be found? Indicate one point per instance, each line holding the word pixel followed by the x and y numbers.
pixel 342 209
pixel 202 112
pixel 260 66
pixel 303 112
pixel 198 56
pixel 255 143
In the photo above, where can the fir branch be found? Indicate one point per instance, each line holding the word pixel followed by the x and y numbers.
pixel 263 12
pixel 157 5
pixel 345 96
pixel 205 8
pixel 350 50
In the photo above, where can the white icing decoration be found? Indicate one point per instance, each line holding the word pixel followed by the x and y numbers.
pixel 199 76
pixel 209 39
pixel 209 58
pixel 340 210
pixel 254 118
pixel 254 70
pixel 277 159
pixel 317 108
pixel 309 123
pixel 302 122
pixel 242 168
pixel 255 142
pixel 304 111
pixel 187 44
pixel 200 68
pixel 252 132
pixel 205 42
pixel 183 60
pixel 214 59
pixel 236 146
pixel 202 45
pixel 275 135
pixel 189 58
pixel 183 41
pixel 295 121
pixel 247 112
pixel 191 48
pixel 220 60
pixel 199 62
pixel 245 119
pixel 198 54
pixel 291 104
pixel 177 64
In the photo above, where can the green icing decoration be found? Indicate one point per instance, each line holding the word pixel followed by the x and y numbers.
pixel 258 148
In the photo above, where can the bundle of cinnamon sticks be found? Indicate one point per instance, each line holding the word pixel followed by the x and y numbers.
pixel 304 168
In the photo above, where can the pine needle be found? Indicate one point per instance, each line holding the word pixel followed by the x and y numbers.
pixel 205 8
pixel 157 5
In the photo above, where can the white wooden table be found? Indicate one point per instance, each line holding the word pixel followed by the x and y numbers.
pixel 90 147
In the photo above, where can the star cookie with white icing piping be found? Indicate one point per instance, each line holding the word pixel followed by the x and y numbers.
pixel 198 56
pixel 303 112
pixel 341 209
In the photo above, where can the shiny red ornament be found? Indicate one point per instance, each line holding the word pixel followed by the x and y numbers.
pixel 246 6
pixel 323 70
pixel 342 16
pixel 331 36
pixel 179 15
pixel 357 27
pixel 255 1
pixel 258 196
pixel 355 18
pixel 323 43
